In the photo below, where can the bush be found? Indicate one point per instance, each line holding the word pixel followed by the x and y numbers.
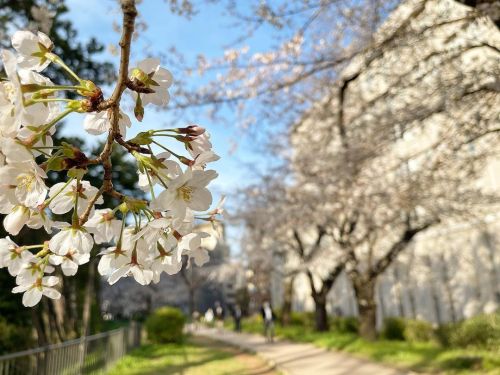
pixel 444 332
pixel 305 319
pixel 165 325
pixel 481 331
pixel 393 329
pixel 348 324
pixel 418 331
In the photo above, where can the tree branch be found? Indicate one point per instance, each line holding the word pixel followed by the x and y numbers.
pixel 113 104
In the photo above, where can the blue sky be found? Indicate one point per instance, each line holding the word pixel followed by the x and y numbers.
pixel 207 33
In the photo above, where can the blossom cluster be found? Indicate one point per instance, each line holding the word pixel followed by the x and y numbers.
pixel 138 238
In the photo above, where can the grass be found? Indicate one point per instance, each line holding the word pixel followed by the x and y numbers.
pixel 194 357
pixel 419 357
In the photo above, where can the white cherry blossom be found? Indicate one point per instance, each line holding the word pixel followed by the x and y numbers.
pixel 200 256
pixel 34 291
pixel 14 151
pixel 202 159
pixel 63 197
pixel 162 237
pixel 188 190
pixel 32 49
pixel 98 123
pixel 199 145
pixel 70 261
pixel 71 239
pixel 27 181
pixel 12 256
pixel 165 169
pixel 12 111
pixel 151 75
pixel 37 114
pixel 16 219
pixel 38 219
pixel 104 225
pixel 111 259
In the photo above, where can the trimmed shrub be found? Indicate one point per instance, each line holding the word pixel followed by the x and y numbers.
pixel 393 329
pixel 444 332
pixel 348 324
pixel 165 325
pixel 418 331
pixel 302 319
pixel 481 331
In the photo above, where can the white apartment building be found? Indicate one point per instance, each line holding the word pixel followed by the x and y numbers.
pixel 450 51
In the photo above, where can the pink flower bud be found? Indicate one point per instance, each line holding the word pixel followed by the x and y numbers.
pixel 192 130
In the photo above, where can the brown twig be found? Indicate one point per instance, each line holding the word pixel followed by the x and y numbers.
pixel 113 104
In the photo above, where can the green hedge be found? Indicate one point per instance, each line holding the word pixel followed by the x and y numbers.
pixel 482 331
pixel 347 324
pixel 165 325
pixel 393 329
pixel 419 331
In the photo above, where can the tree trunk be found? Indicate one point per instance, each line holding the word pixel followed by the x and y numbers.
pixel 286 308
pixel 40 332
pixel 87 302
pixel 413 303
pixel 397 289
pixel 367 307
pixel 191 301
pixel 494 276
pixel 320 314
pixel 449 290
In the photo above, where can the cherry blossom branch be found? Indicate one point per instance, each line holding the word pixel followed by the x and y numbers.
pixel 113 104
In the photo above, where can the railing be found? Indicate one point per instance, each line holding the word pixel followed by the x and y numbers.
pixel 87 355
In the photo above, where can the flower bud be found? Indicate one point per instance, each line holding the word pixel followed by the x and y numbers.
pixel 80 106
pixel 139 109
pixel 192 130
pixel 90 88
pixel 186 161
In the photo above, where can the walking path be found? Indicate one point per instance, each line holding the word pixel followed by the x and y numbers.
pixel 300 359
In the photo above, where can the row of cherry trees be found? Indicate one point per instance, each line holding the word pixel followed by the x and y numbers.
pixel 400 144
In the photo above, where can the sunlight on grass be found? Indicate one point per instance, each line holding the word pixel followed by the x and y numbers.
pixel 190 358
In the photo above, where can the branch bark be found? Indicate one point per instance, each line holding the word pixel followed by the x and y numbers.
pixel 113 105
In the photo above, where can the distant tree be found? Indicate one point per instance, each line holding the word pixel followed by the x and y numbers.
pixel 47 16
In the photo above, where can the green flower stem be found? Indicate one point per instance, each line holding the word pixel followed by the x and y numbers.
pixel 47 127
pixel 119 242
pixel 150 183
pixel 46 100
pixel 47 202
pixel 57 60
pixel 166 149
pixel 34 88
pixel 33 247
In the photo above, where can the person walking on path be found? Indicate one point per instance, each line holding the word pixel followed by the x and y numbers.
pixel 209 316
pixel 237 318
pixel 269 317
pixel 219 315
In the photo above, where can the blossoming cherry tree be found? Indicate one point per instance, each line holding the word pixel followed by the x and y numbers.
pixel 139 238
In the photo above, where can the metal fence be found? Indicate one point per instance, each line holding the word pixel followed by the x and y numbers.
pixel 87 355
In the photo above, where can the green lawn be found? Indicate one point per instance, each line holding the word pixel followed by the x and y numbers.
pixel 420 357
pixel 194 357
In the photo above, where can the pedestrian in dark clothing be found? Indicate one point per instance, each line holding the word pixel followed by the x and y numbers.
pixel 237 318
pixel 269 317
